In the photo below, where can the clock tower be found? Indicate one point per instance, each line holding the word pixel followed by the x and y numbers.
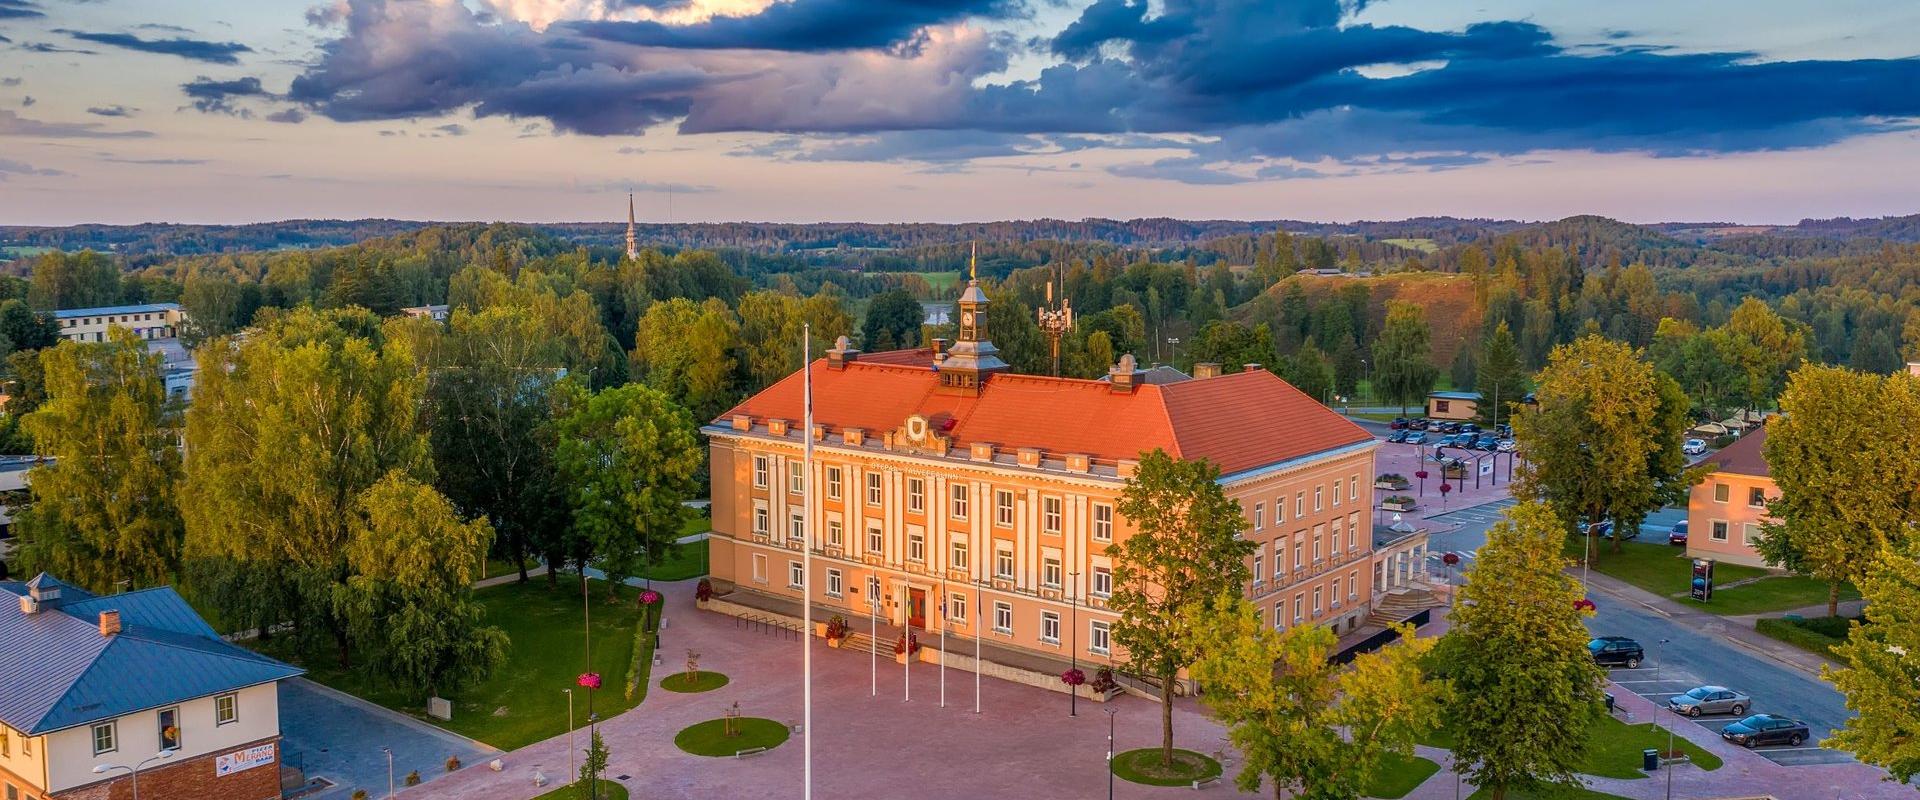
pixel 973 357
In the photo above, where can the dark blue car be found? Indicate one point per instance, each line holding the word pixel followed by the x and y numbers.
pixel 1761 729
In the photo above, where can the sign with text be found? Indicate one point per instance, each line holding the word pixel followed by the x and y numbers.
pixel 1702 579
pixel 242 760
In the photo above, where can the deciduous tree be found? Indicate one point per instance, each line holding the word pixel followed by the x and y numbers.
pixel 1403 370
pixel 1517 658
pixel 1185 551
pixel 1315 729
pixel 628 457
pixel 892 322
pixel 1882 678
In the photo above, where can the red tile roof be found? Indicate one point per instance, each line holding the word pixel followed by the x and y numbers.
pixel 1239 421
pixel 1744 456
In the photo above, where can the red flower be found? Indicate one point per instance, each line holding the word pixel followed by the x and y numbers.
pixel 1450 559
pixel 1422 474
pixel 1073 677
pixel 590 680
pixel 1584 606
pixel 649 597
pixel 1445 488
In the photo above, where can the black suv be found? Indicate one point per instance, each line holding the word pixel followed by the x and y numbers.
pixel 1616 651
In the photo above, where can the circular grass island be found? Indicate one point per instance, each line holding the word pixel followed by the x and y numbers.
pixel 710 739
pixel 693 682
pixel 1143 766
pixel 609 790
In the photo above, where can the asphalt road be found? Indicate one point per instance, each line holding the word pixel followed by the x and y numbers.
pixel 1679 658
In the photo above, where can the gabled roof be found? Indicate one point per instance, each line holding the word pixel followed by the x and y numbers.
pixel 58 671
pixel 1240 421
pixel 1744 456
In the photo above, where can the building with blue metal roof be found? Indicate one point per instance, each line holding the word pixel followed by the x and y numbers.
pixel 137 678
pixel 147 320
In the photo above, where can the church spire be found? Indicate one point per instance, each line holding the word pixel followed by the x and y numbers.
pixel 633 240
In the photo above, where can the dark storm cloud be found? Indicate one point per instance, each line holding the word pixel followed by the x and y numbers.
pixel 1255 89
pixel 192 49
pixel 19 9
pixel 216 97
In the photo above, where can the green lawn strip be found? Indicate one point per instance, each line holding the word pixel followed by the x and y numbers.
pixel 1613 747
pixel 1778 593
pixel 1400 775
pixel 710 738
pixel 524 701
pixel 640 666
pixel 609 790
pixel 1818 635
pixel 1143 766
pixel 705 681
pixel 1580 793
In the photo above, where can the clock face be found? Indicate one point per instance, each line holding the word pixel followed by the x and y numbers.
pixel 966 318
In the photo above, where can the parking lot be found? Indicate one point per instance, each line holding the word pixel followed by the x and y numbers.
pixel 1657 684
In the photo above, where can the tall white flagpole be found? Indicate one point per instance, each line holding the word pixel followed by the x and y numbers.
pixel 979 611
pixel 944 623
pixel 806 565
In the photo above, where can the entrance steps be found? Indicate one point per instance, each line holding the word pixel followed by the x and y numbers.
pixel 1397 606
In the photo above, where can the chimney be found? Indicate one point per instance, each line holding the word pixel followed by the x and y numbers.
pixel 742 422
pixel 1125 376
pixel 842 354
pixel 940 350
pixel 1253 367
pixel 109 623
pixel 1206 369
pixel 29 605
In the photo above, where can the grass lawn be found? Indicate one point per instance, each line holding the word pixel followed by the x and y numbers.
pixel 1613 748
pixel 1419 245
pixel 1665 570
pixel 609 790
pixel 523 701
pixel 1562 794
pixel 704 681
pixel 710 738
pixel 1778 593
pixel 1143 766
pixel 1818 635
pixel 1400 775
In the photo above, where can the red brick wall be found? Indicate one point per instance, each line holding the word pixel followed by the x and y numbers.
pixel 190 780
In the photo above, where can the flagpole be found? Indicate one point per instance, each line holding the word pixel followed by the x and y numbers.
pixel 944 623
pixel 806 566
pixel 979 610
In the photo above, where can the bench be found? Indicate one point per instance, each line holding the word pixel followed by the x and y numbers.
pixel 1206 784
pixel 750 752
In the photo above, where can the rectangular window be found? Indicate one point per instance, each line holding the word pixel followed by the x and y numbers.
pixel 1353 584
pixel 1757 497
pixel 1299 607
pixel 1097 638
pixel 833 483
pixel 1002 617
pixel 1003 564
pixel 916 547
pixel 1279 558
pixel 957 608
pixel 1102 522
pixel 1316 601
pixel 1050 515
pixel 1316 498
pixel 876 541
pixel 1049 627
pixel 959 491
pixel 796 477
pixel 1297 545
pixel 1333 547
pixel 916 495
pixel 1259 516
pixel 759 472
pixel 873 488
pixel 1003 509
pixel 1336 494
pixel 760 521
pixel 103 738
pixel 1259 568
pixel 759 568
pixel 1719 533
pixel 1050 573
pixel 1750 534
pixel 834 584
pixel 873 590
pixel 1299 504
pixel 169 719
pixel 1720 492
pixel 835 535
pixel 1353 531
pixel 1319 533
pixel 795 576
pixel 1279 615
pixel 1353 488
pixel 797 527
pixel 960 559
pixel 1102 582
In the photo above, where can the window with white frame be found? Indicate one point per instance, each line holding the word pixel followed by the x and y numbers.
pixel 1049 627
pixel 957 608
pixel 1259 516
pixel 833 483
pixel 1050 573
pixel 1299 504
pixel 873 590
pixel 1336 493
pixel 1316 498
pixel 1720 492
pixel 876 540
pixel 797 527
pixel 1279 558
pixel 1259 568
pixel 760 521
pixel 1280 615
pixel 1102 582
pixel 1718 532
pixel 1297 563
pixel 1353 585
pixel 1102 522
pixel 759 472
pixel 1002 617
pixel 916 495
pixel 959 492
pixel 834 584
pixel 916 547
pixel 836 536
pixel 1337 580
pixel 103 739
pixel 1098 638
pixel 1003 508
pixel 796 477
pixel 1750 533
pixel 873 488
pixel 1353 531
pixel 960 555
pixel 1279 509
pixel 1757 497
pixel 1050 515
pixel 1299 606
pixel 759 568
pixel 1334 546
pixel 795 575
pixel 1316 601
pixel 1319 532
pixel 1353 488
pixel 1003 563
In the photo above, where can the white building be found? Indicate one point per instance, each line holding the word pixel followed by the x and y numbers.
pixel 148 321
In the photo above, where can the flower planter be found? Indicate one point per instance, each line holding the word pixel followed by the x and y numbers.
pixel 835 642
pixel 1402 507
pixel 1392 486
pixel 820 629
pixel 900 658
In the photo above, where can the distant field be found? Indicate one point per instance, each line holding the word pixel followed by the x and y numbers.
pixel 8 252
pixel 1421 245
pixel 939 281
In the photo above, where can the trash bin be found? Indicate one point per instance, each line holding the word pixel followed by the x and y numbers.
pixel 1610 702
pixel 1649 759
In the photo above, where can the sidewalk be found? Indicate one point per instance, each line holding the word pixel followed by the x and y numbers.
pixel 1737 630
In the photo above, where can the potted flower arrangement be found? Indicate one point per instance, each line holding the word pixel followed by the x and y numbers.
pixel 649 597
pixel 1392 482
pixel 836 630
pixel 907 646
pixel 702 592
pixel 1073 678
pixel 1399 502
pixel 1104 684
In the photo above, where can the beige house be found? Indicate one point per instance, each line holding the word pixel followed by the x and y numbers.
pixel 148 321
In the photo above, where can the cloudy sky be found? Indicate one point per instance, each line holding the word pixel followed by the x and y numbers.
pixel 946 110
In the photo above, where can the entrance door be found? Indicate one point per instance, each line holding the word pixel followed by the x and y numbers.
pixel 916 608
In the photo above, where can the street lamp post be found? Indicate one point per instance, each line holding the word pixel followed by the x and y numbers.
pixel 102 769
pixel 573 769
pixel 1110 712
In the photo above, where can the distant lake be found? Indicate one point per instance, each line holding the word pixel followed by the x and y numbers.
pixel 938 313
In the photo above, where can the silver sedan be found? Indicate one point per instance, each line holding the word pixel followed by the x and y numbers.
pixel 1710 700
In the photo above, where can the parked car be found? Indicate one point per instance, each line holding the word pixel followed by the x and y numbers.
pixel 1604 529
pixel 1506 445
pixel 1420 424
pixel 1504 430
pixel 1710 700
pixel 1694 447
pixel 1399 423
pixel 1468 427
pixel 1449 427
pixel 1418 437
pixel 1487 442
pixel 1762 729
pixel 1678 535
pixel 1611 651
pixel 1398 436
